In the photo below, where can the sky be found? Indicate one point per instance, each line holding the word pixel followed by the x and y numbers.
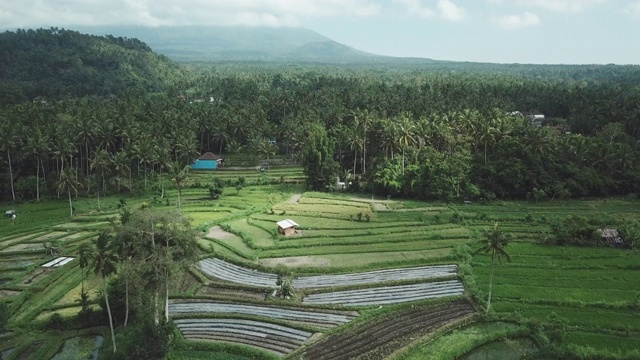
pixel 497 31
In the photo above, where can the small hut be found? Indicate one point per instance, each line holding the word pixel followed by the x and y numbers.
pixel 610 236
pixel 287 227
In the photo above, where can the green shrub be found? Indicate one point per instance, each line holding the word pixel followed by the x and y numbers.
pixel 55 322
pixel 4 315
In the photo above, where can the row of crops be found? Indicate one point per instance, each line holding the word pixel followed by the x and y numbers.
pixel 283 329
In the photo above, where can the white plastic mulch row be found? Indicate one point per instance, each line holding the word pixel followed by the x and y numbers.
pixel 373 277
pixel 237 274
pixel 321 318
pixel 229 272
pixel 271 337
pixel 388 294
pixel 58 262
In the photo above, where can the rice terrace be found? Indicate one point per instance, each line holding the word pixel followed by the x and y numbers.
pixel 402 283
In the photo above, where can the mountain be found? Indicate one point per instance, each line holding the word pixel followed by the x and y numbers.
pixel 240 43
pixel 57 63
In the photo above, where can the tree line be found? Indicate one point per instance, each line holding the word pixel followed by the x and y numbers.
pixel 432 135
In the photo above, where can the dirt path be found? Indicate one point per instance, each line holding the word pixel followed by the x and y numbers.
pixel 216 232
pixel 295 198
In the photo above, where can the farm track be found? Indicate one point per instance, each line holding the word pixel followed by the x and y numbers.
pixel 377 339
pixel 275 338
pixel 319 318
pixel 229 272
pixel 387 295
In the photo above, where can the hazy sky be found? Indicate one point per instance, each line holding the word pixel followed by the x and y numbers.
pixel 504 31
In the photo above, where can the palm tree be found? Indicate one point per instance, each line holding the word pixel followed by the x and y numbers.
pixel 494 244
pixel 101 162
pixel 121 162
pixel 84 256
pixel 405 134
pixel 104 263
pixel 38 145
pixel 179 175
pixel 68 182
pixel 9 141
pixel 123 246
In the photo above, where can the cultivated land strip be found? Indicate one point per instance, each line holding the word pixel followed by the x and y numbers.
pixel 229 272
pixel 266 336
pixel 317 318
pixel 379 338
pixel 388 294
pixel 373 277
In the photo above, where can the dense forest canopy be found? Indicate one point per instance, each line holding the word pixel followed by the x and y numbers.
pixel 54 63
pixel 423 131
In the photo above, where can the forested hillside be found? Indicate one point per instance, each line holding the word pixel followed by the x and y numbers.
pixel 56 63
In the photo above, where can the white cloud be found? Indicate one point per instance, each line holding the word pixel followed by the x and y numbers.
pixel 633 9
pixel 450 11
pixel 29 13
pixel 445 9
pixel 562 6
pixel 513 22
pixel 415 8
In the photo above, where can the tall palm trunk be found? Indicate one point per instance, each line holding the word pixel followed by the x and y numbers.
pixel 13 193
pixel 490 284
pixel 166 296
pixel 126 295
pixel 38 180
pixel 70 204
pixel 106 299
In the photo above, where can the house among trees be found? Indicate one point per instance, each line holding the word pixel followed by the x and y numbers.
pixel 610 236
pixel 287 227
pixel 535 118
pixel 208 161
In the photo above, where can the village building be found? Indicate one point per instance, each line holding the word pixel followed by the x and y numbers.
pixel 287 227
pixel 208 161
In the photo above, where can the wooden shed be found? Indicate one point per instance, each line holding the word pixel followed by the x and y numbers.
pixel 610 236
pixel 287 227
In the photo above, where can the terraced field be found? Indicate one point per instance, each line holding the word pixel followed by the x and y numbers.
pixel 388 294
pixel 314 317
pixel 226 271
pixel 388 263
pixel 380 337
pixel 278 339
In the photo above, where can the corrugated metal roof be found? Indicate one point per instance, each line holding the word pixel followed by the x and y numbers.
pixel 285 224
pixel 609 233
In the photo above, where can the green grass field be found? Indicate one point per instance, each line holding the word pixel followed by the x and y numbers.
pixel 592 291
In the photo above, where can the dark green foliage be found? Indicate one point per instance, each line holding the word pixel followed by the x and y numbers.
pixel 143 340
pixel 56 63
pixel 4 315
pixel 216 189
pixel 575 230
pixel 55 322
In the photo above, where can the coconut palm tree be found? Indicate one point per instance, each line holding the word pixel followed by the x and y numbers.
pixel 68 183
pixel 9 141
pixel 405 134
pixel 104 263
pixel 101 162
pixel 179 175
pixel 38 145
pixel 494 244
pixel 84 256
